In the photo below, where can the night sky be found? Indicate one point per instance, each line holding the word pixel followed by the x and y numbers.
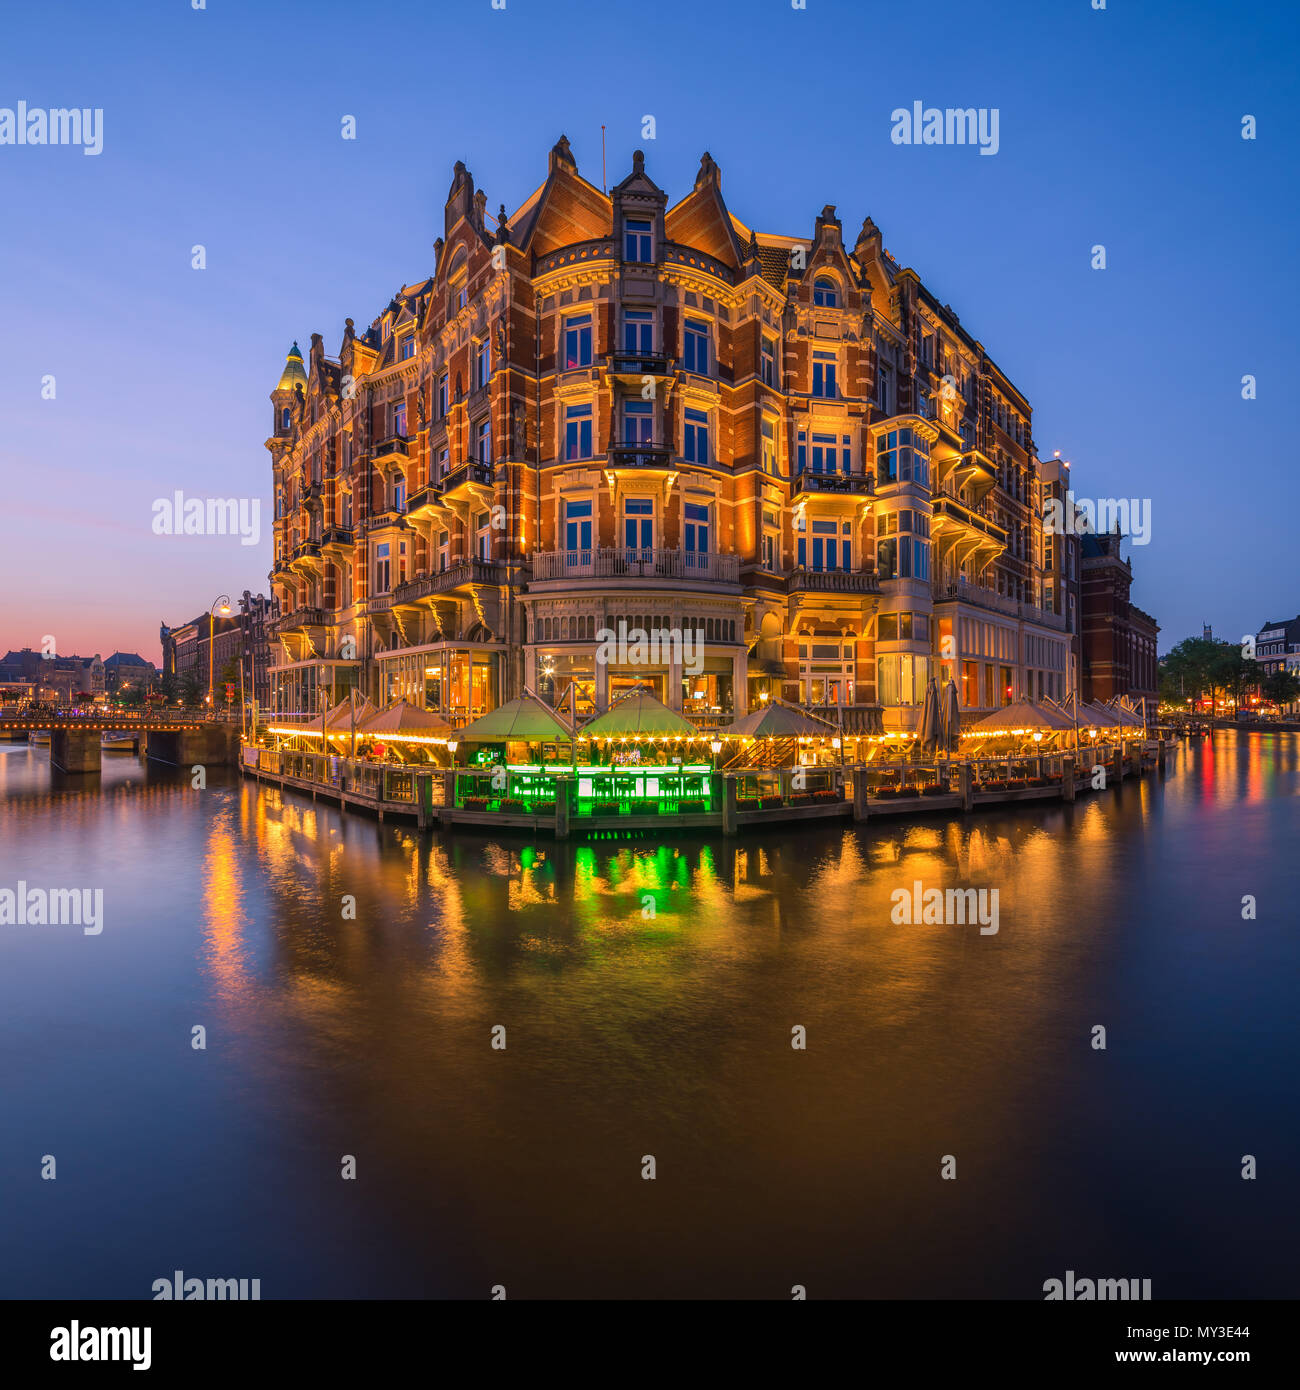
pixel 221 127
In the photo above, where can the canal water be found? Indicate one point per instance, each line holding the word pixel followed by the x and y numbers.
pixel 349 977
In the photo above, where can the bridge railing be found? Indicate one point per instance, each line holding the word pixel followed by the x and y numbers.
pixel 33 714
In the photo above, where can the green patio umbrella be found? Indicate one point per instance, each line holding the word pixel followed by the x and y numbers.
pixel 639 714
pixel 525 719
pixel 779 720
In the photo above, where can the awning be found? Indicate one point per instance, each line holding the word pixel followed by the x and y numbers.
pixel 1021 717
pixel 525 719
pixel 340 720
pixel 779 720
pixel 404 720
pixel 639 714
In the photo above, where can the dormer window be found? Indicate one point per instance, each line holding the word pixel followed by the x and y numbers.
pixel 406 348
pixel 826 294
pixel 636 239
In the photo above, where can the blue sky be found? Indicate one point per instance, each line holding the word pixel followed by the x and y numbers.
pixel 222 127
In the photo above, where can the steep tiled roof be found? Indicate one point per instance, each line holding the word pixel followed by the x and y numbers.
pixel 775 261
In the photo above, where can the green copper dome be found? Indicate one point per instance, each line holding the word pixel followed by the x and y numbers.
pixel 294 374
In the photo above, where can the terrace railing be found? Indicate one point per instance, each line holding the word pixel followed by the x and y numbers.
pixel 622 563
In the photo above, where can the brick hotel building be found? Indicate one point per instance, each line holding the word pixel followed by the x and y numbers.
pixel 601 407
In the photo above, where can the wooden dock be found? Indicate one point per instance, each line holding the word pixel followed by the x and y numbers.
pixel 433 797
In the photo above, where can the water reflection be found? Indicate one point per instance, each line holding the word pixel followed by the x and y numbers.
pixel 351 975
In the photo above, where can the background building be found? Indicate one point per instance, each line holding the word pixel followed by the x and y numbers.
pixel 204 648
pixel 1118 639
pixel 126 669
pixel 255 613
pixel 59 679
pixel 607 408
pixel 1274 643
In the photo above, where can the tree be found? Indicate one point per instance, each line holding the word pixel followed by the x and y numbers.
pixel 1281 687
pixel 228 676
pixel 1200 666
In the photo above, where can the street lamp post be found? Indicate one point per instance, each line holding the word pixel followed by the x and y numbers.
pixel 224 601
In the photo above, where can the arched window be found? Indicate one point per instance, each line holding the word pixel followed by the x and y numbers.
pixel 825 292
pixel 284 418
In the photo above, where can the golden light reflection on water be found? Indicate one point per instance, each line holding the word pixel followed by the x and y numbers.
pixel 224 921
pixel 632 1028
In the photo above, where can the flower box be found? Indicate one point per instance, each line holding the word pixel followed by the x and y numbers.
pixel 938 790
pixel 475 803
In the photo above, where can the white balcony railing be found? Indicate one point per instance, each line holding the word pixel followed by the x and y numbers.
pixel 610 563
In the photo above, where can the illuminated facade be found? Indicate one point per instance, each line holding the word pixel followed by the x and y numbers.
pixel 604 409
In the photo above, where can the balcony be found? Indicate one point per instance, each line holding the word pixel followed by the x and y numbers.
pixel 834 484
pixel 630 369
pixel 833 582
pixel 298 621
pixel 640 456
pixel 611 563
pixel 393 452
pixel 382 520
pixel 426 508
pixel 966 592
pixel 948 507
pixel 337 542
pixel 454 577
pixel 468 482
pixel 306 557
pixel 977 472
